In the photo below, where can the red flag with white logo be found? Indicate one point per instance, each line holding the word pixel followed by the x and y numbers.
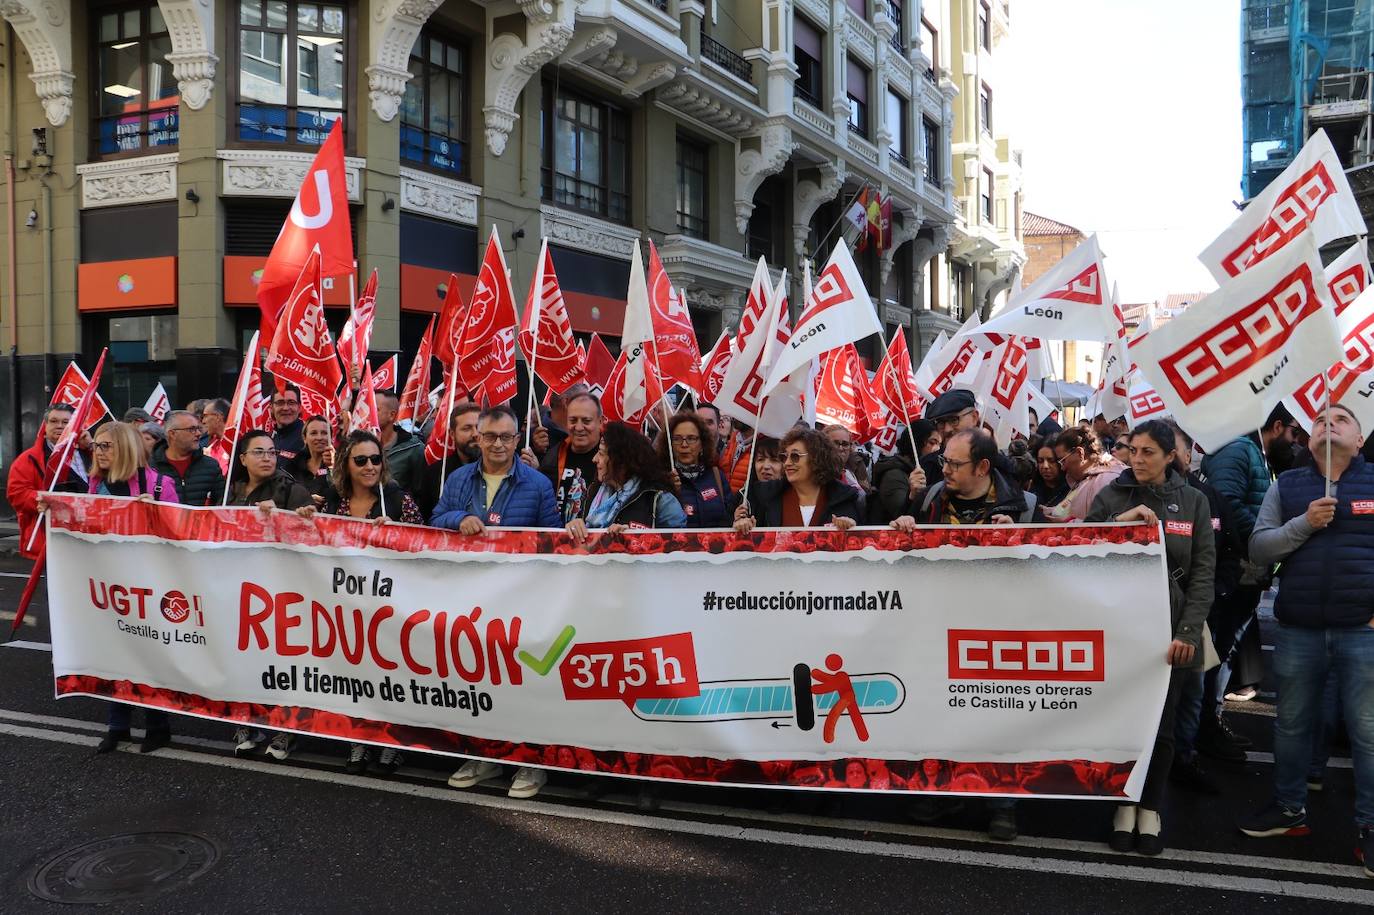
pixel 414 402
pixel 385 375
pixel 714 366
pixel 546 334
pixel 675 340
pixel 895 383
pixel 302 351
pixel 318 219
pixel 1311 193
pixel 438 444
pixel 356 335
pixel 598 365
pixel 1227 361
pixel 840 400
pixel 486 357
pixel 249 409
pixel 365 407
pixel 452 318
pixel 837 312
pixel 71 387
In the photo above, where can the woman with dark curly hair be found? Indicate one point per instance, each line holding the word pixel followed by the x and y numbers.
pixel 636 490
pixel 810 494
pixel 701 486
pixel 363 487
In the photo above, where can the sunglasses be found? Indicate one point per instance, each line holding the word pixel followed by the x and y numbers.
pixel 362 460
pixel 794 457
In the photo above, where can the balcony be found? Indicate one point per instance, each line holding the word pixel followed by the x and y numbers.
pixel 726 58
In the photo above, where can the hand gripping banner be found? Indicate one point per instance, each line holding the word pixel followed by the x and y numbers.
pixel 864 660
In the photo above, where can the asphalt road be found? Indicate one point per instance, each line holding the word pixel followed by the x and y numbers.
pixel 304 836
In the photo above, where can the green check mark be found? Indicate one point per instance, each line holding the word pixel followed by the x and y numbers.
pixel 542 666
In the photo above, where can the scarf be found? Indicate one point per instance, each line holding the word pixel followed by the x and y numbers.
pixel 608 503
pixel 689 471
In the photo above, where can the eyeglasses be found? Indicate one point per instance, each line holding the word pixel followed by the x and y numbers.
pixel 1121 446
pixel 686 439
pixel 794 457
pixel 362 460
pixel 1060 461
pixel 261 452
pixel 491 438
pixel 844 445
pixel 102 446
pixel 286 403
pixel 197 430
pixel 957 464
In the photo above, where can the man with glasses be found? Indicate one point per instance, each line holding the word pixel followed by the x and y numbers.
pixel 214 417
pixel 953 411
pixel 29 471
pixel 289 436
pixel 571 466
pixel 198 477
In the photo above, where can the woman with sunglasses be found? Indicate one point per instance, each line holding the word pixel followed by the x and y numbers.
pixel 362 484
pixel 1087 470
pixel 120 468
pixel 701 486
pixel 311 468
pixel 810 493
pixel 255 479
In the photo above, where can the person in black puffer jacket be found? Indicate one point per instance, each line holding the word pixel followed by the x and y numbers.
pixel 197 475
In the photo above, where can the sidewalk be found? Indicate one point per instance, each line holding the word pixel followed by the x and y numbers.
pixel 9 538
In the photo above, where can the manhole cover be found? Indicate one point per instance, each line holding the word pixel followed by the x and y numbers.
pixel 120 868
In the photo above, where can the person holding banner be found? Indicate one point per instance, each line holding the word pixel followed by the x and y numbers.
pixel 701 487
pixel 256 480
pixel 197 475
pixel 1153 492
pixel 1088 471
pixel 462 435
pixel 1318 521
pixel 27 475
pixel 405 451
pixel 634 491
pixel 899 478
pixel 311 468
pixel 811 493
pixel 121 469
pixel 497 490
pixel 972 490
pixel 1050 486
pixel 363 487
pixel 571 466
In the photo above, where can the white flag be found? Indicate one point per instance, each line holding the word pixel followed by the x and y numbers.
pixel 954 364
pixel 838 311
pixel 158 405
pixel 1070 302
pixel 1352 378
pixel 1006 400
pixel 1348 276
pixel 1227 361
pixel 1312 193
pixel 636 332
pixel 743 389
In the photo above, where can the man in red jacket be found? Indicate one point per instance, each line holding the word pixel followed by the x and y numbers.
pixel 28 473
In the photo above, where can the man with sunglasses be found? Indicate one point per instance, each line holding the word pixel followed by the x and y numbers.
pixel 197 476
pixel 498 490
pixel 289 436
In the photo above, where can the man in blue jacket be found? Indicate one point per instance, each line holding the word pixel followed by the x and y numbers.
pixel 498 490
pixel 1325 608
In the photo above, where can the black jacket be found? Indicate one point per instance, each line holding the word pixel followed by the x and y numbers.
pixel 289 440
pixel 765 502
pixel 280 489
pixel 1009 500
pixel 203 483
pixel 891 476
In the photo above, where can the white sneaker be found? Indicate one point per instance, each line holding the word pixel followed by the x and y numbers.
pixel 280 747
pixel 527 783
pixel 473 772
pixel 246 740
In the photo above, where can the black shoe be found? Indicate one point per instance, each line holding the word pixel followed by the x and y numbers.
pixel 929 809
pixel 1212 741
pixel 1121 841
pixel 1275 820
pixel 1186 773
pixel 110 741
pixel 388 761
pixel 1364 851
pixel 1147 844
pixel 1002 827
pixel 155 740
pixel 358 756
pixel 1236 740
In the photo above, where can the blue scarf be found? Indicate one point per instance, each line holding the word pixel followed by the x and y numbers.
pixel 608 503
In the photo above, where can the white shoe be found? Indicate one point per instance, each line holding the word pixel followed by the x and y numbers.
pixel 527 783
pixel 473 772
pixel 280 747
pixel 246 741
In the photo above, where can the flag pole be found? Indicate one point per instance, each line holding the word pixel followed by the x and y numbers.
pixel 353 317
pixel 452 384
pixel 538 305
pixel 241 400
pixel 1326 470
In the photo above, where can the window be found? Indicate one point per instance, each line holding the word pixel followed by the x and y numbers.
pixel 987 195
pixel 434 112
pixel 586 154
pixel 930 44
pixel 137 98
pixel 985 108
pixel 691 189
pixel 806 54
pixel 895 13
pixel 856 90
pixel 860 7
pixel 292 70
pixel 896 126
pixel 985 26
pixel 930 138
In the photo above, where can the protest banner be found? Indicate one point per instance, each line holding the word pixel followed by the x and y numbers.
pixel 865 660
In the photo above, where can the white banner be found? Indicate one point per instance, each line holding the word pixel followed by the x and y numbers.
pixel 782 658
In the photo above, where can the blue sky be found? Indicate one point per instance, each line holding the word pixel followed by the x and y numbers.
pixel 1128 113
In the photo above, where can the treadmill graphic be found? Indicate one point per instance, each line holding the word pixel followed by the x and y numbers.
pixel 774 699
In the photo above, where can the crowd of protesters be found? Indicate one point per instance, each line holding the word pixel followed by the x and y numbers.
pixel 1233 517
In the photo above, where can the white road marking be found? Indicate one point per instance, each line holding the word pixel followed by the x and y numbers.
pixel 9 615
pixel 18 575
pixel 35 646
pixel 965 857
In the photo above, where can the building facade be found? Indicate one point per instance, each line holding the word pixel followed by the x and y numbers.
pixel 153 148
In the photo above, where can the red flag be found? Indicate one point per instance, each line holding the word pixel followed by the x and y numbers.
pixel 895 383
pixel 715 366
pixel 365 409
pixel 157 405
pixel 600 364
pixel 302 351
pixel 452 317
pixel 384 378
pixel 546 335
pixel 85 405
pixel 675 340
pixel 486 358
pixel 843 399
pixel 71 387
pixel 613 400
pixel 248 410
pixel 438 445
pixel 414 402
pixel 357 331
pixel 318 219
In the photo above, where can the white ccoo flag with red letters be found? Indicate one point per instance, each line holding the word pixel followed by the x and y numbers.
pixel 1352 379
pixel 1070 302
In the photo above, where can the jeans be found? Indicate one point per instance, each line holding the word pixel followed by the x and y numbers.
pixel 1303 658
pixel 1321 734
pixel 1188 716
pixel 121 716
